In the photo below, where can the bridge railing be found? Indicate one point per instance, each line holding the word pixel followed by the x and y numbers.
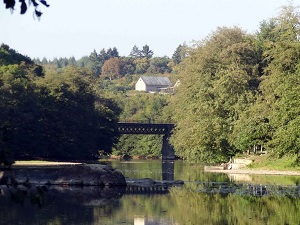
pixel 144 128
pixel 147 121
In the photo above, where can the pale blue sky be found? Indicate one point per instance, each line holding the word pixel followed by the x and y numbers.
pixel 76 27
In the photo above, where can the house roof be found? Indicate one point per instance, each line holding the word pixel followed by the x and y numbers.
pixel 165 81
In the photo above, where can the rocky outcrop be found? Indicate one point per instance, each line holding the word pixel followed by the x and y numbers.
pixel 78 175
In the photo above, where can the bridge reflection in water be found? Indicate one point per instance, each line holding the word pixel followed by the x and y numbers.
pixel 160 187
pixel 135 189
pixel 165 129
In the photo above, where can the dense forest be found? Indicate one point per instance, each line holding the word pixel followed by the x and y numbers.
pixel 51 114
pixel 238 92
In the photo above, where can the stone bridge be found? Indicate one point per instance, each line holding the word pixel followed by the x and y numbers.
pixel 165 129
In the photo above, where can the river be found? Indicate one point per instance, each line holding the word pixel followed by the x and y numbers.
pixel 205 198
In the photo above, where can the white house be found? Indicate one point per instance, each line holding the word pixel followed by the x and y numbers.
pixel 152 84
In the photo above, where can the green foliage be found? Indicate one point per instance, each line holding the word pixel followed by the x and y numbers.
pixel 57 116
pixel 144 53
pixel 273 121
pixel 238 91
pixel 141 108
pixel 269 162
pixel 215 86
pixel 159 65
pixel 141 65
pixel 180 53
pixel 9 56
pixel 233 209
pixel 139 62
pixel 139 145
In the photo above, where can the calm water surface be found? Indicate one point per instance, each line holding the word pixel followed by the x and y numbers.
pixel 205 198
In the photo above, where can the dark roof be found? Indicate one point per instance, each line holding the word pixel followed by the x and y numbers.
pixel 164 81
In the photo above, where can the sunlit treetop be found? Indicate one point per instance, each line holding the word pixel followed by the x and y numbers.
pixel 11 4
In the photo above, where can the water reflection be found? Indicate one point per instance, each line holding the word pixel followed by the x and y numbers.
pixel 151 221
pixel 55 204
pixel 167 170
pixel 200 201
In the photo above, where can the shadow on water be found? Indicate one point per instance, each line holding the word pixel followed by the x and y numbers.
pixel 56 204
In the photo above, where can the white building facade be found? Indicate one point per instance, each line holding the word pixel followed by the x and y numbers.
pixel 152 84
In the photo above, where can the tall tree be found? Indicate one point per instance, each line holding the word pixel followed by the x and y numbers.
pixel 281 85
pixel 180 53
pixel 112 53
pixel 159 65
pixel 146 52
pixel 95 62
pixel 141 65
pixel 215 88
pixel 31 109
pixel 127 66
pixel 111 68
pixel 135 52
pixel 273 121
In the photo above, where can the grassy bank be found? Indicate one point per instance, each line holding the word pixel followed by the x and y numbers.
pixel 267 162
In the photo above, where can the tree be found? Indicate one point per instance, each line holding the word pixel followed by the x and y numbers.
pixel 143 108
pixel 111 68
pixel 265 36
pixel 127 66
pixel 141 65
pixel 144 53
pixel 180 53
pixel 135 52
pixel 112 53
pixel 10 56
pixel 283 77
pixel 273 120
pixel 215 88
pixel 31 109
pixel 95 63
pixel 44 61
pixel 10 4
pixel 159 65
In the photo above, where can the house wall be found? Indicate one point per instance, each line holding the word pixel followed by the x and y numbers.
pixel 140 85
pixel 152 88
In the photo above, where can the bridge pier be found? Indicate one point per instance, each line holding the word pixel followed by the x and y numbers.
pixel 167 151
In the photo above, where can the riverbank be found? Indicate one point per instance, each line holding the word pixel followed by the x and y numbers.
pixel 255 171
pixel 43 163
pixel 257 164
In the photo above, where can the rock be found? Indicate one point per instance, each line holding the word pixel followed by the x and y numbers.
pixel 78 175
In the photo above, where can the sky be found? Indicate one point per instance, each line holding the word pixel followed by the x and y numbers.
pixel 76 27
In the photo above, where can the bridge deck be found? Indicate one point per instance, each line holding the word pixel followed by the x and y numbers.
pixel 144 128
